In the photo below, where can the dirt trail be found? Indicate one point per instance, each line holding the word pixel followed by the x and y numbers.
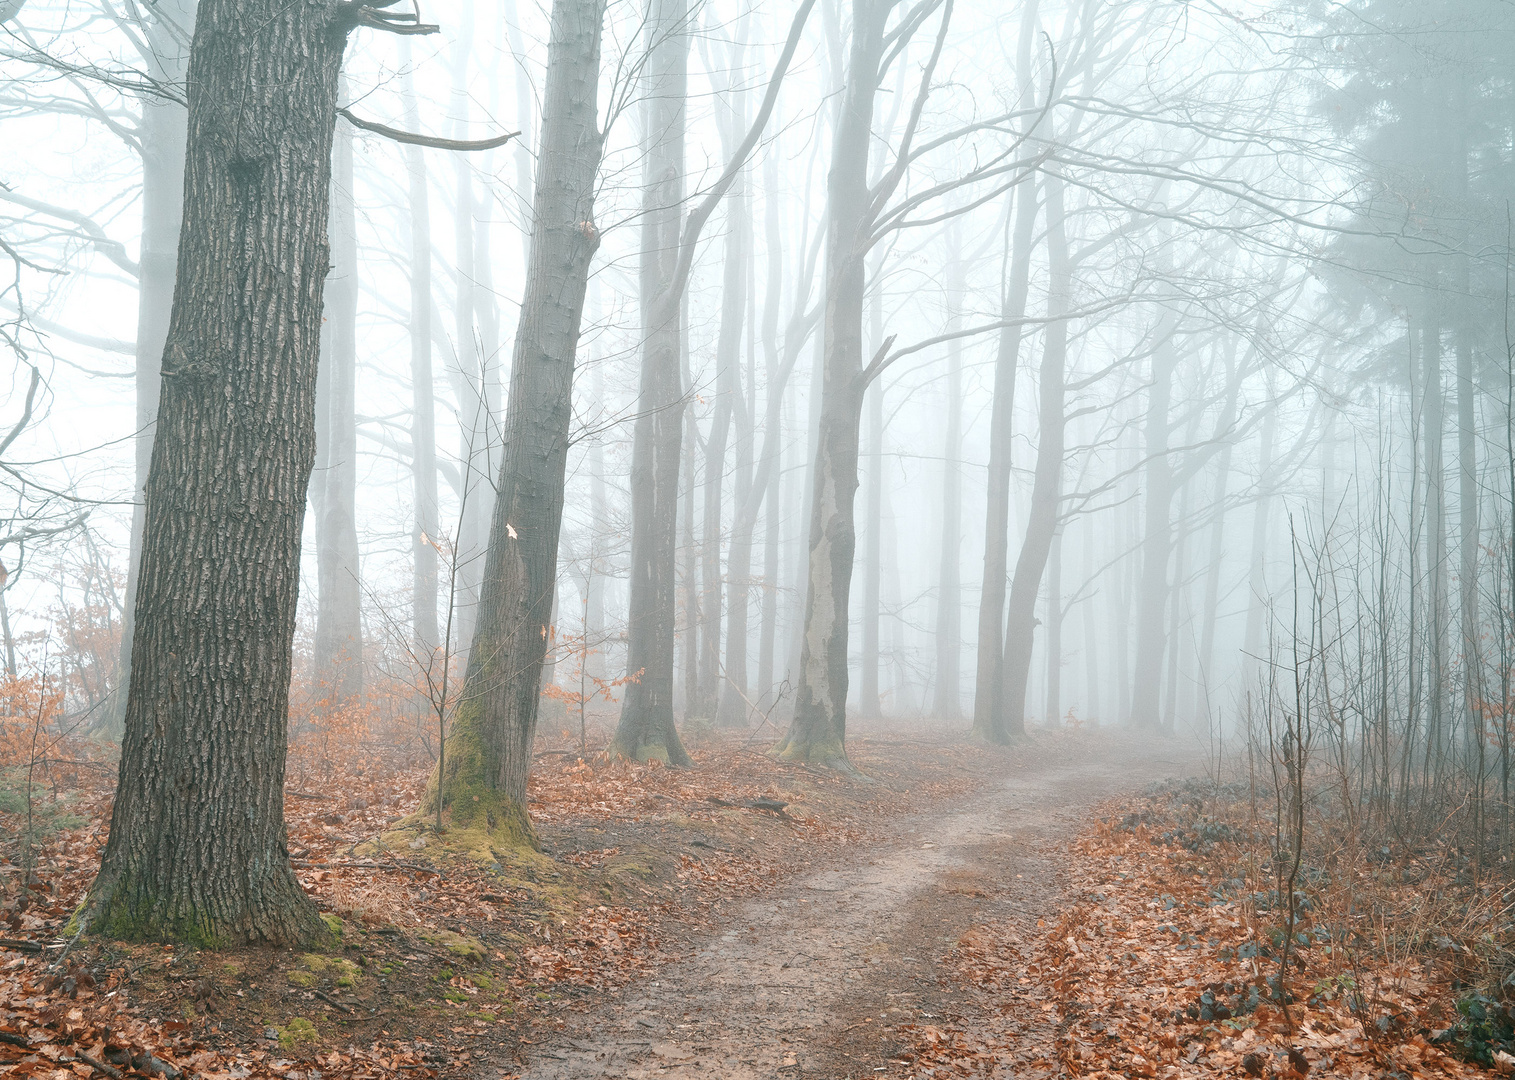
pixel 811 979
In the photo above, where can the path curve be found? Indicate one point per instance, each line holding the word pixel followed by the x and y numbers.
pixel 811 979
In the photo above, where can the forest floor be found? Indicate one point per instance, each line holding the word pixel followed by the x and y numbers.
pixel 1035 911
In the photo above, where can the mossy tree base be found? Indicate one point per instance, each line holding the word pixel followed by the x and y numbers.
pixel 476 815
pixel 648 734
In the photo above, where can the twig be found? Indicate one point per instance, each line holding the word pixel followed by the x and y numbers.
pixel 22 945
pixel 109 1070
pixel 333 1002
pixel 308 795
pixel 15 1040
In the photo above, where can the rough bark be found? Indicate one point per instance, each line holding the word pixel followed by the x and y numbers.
pixel 197 849
pixel 489 748
pixel 161 136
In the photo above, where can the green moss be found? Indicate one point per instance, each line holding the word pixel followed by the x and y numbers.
pixel 460 945
pixel 313 966
pixel 333 924
pixel 456 996
pixel 130 909
pixel 298 1032
pixel 475 816
pixel 303 979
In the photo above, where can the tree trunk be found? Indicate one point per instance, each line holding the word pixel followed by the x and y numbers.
pixel 1046 491
pixel 817 733
pixel 949 622
pixel 1054 706
pixel 988 686
pixel 163 131
pixel 197 849
pixel 1092 673
pixel 1157 544
pixel 489 747
pixel 423 418
pixel 339 593
pixel 646 727
pixel 773 399
pixel 728 360
pixel 869 704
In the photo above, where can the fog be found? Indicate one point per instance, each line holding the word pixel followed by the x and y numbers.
pixel 1184 362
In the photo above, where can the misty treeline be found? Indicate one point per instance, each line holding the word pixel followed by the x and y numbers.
pixel 636 368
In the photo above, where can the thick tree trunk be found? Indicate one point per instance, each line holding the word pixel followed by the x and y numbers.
pixel 1046 491
pixel 488 750
pixel 162 135
pixel 646 727
pixel 1157 544
pixel 197 849
pixel 817 733
pixel 425 636
pixel 339 593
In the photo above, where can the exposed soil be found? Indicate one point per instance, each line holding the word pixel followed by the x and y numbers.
pixel 818 976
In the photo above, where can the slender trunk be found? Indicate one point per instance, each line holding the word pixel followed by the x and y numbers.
pixel 949 618
pixel 489 746
pixel 1092 674
pixel 1212 571
pixel 197 848
pixel 772 516
pixel 989 683
pixel 1257 574
pixel 1046 492
pixel 423 417
pixel 1054 708
pixel 339 604
pixel 728 359
pixel 1157 544
pixel 873 524
pixel 646 727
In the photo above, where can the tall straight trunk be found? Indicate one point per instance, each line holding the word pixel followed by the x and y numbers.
pixel 688 550
pixel 1092 673
pixel 1253 640
pixel 817 732
pixel 595 635
pixel 161 136
pixel 1434 464
pixel 801 570
pixel 900 689
pixel 1468 529
pixel 197 849
pixel 646 727
pixel 1046 491
pixel 1054 708
pixel 489 748
pixel 1177 615
pixel 873 527
pixel 1120 618
pixel 728 360
pixel 1212 571
pixel 423 417
pixel 1157 544
pixel 465 373
pixel 949 619
pixel 772 515
pixel 339 594
pixel 988 685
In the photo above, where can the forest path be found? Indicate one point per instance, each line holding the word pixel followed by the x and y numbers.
pixel 810 979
